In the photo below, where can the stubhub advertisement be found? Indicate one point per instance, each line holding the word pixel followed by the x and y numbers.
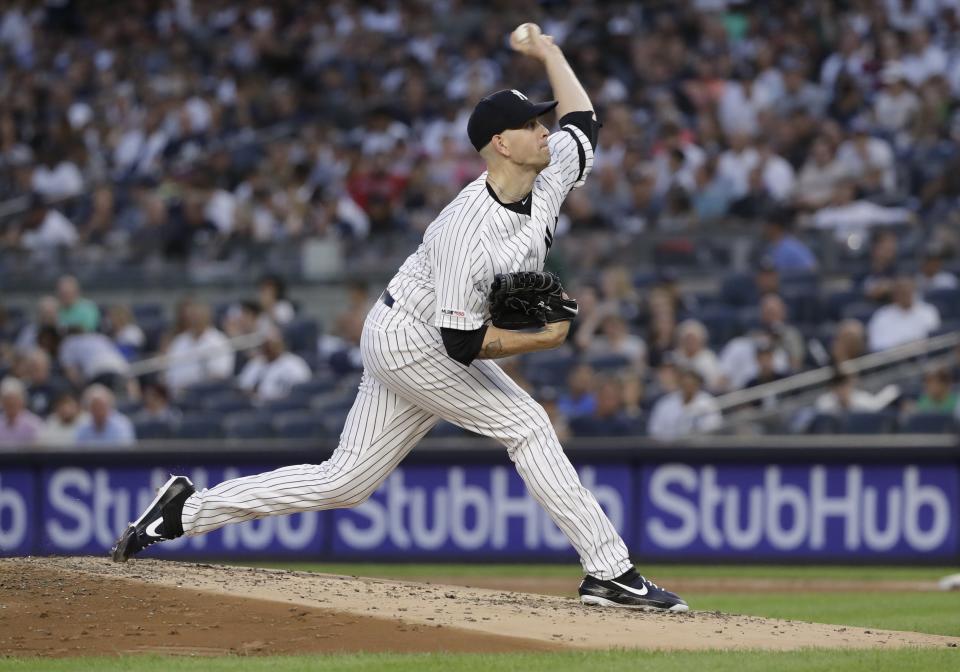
pixel 663 511
pixel 793 510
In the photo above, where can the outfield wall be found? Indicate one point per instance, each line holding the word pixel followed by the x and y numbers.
pixel 774 500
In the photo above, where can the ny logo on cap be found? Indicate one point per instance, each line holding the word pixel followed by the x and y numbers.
pixel 518 94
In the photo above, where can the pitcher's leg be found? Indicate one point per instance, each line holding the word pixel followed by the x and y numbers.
pixel 483 399
pixel 380 430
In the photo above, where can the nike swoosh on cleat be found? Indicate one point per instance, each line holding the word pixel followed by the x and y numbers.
pixel 632 590
pixel 152 528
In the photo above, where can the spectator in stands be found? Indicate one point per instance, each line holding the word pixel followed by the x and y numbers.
pixel 60 429
pixel 75 311
pixel 938 393
pixel 932 275
pixel 272 295
pixel 156 405
pixel 614 339
pixel 42 388
pixel 18 426
pixel 609 417
pixel 91 357
pixel 849 341
pixel 46 316
pixel 765 365
pixel 847 215
pixel 274 372
pixel 896 105
pixel 201 353
pixel 877 283
pixel 580 396
pixel 904 320
pixel 819 175
pixel 868 160
pixel 127 336
pixel 692 351
pixel 46 228
pixel 548 397
pixel 689 410
pixel 767 277
pixel 844 397
pixel 787 252
pixel 105 426
pixel 773 318
pixel 739 359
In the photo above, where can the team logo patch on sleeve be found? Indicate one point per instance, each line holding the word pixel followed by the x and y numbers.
pixel 453 313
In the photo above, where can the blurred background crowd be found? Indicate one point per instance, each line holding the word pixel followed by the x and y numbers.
pixel 823 134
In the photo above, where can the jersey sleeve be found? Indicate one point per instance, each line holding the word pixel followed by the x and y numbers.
pixel 571 155
pixel 459 272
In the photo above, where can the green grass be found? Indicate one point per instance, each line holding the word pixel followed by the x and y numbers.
pixel 900 660
pixel 573 572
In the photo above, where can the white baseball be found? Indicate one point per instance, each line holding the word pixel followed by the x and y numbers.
pixel 525 31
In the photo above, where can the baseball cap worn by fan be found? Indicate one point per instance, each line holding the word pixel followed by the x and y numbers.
pixel 501 111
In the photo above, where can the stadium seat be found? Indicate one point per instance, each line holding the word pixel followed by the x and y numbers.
pixel 867 423
pixel 290 402
pixel 300 425
pixel 803 305
pixel 314 387
pixel 837 301
pixel 721 322
pixel 194 394
pixel 230 401
pixel 947 302
pixel 150 430
pixel 301 334
pixel 739 289
pixel 199 426
pixel 596 427
pixel 444 429
pixel 608 363
pixel 147 311
pixel 248 425
pixel 824 423
pixel 859 310
pixel 929 423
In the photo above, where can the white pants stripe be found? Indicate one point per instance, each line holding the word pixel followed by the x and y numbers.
pixel 408 383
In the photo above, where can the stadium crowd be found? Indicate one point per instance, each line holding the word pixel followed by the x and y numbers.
pixel 186 130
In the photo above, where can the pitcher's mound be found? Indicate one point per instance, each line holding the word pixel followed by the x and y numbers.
pixel 86 606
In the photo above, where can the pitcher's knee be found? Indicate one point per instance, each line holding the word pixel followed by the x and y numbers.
pixel 352 491
pixel 534 428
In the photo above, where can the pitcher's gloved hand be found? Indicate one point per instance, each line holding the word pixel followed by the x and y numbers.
pixel 529 299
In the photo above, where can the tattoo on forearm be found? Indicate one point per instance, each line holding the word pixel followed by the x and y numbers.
pixel 493 350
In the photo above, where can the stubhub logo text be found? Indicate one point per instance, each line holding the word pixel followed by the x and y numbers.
pixel 799 510
pixel 456 509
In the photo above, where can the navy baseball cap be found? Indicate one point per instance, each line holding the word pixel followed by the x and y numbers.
pixel 502 110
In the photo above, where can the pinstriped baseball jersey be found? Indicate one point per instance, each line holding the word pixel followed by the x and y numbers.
pixel 447 280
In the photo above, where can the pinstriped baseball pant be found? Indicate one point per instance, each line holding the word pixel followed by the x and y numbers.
pixel 409 383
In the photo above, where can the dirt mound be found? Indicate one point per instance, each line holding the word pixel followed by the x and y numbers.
pixel 75 606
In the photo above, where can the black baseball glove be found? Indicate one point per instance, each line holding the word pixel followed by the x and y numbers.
pixel 529 299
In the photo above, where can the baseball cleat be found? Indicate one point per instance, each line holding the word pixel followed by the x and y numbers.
pixel 160 521
pixel 629 590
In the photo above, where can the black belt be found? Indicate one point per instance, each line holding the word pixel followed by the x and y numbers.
pixel 387 299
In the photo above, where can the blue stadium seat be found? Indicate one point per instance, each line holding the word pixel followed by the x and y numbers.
pixel 947 302
pixel 230 401
pixel 444 429
pixel 150 430
pixel 147 311
pixel 803 305
pixel 837 301
pixel 248 425
pixel 200 426
pixel 553 371
pixel 739 289
pixel 300 425
pixel 596 427
pixel 824 423
pixel 721 322
pixel 315 386
pixel 929 423
pixel 859 310
pixel 801 281
pixel 867 423
pixel 291 402
pixel 128 407
pixel 608 363
pixel 194 395
pixel 301 334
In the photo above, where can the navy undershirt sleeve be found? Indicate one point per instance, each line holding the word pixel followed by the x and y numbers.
pixel 463 346
pixel 585 122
